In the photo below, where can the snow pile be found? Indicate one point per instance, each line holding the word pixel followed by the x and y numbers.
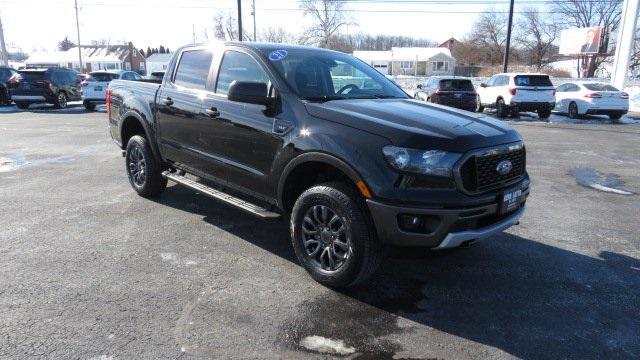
pixel 326 346
pixel 634 98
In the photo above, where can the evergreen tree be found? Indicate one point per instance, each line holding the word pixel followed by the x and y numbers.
pixel 149 51
pixel 161 49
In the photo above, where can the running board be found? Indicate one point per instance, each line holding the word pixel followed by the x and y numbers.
pixel 224 197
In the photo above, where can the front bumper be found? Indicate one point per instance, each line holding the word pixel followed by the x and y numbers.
pixel 452 227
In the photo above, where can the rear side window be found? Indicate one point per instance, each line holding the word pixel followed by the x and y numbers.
pixel 103 76
pixel 237 66
pixel 532 80
pixel 193 69
pixel 460 85
pixel 600 87
pixel 32 75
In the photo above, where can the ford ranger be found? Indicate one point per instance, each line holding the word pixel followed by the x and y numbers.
pixel 322 139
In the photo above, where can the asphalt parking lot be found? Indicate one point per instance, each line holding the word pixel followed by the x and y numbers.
pixel 92 271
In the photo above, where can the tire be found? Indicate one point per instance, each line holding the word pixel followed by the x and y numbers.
pixel 316 210
pixel 502 110
pixel 572 111
pixel 544 113
pixel 143 170
pixel 61 101
pixel 479 107
pixel 428 100
pixel 89 106
pixel 615 117
pixel 514 113
pixel 5 99
pixel 22 105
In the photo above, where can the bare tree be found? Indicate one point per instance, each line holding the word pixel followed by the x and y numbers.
pixel 488 37
pixel 536 35
pixel 225 26
pixel 327 17
pixel 587 13
pixel 277 35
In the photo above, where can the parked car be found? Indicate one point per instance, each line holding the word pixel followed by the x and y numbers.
pixel 264 128
pixel 95 86
pixel 6 73
pixel 578 99
pixel 55 86
pixel 514 92
pixel 457 92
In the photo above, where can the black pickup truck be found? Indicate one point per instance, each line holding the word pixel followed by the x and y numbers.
pixel 321 138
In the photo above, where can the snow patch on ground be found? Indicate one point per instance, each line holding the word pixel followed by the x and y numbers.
pixel 634 98
pixel 326 346
pixel 174 259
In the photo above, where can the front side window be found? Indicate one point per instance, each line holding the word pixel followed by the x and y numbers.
pixel 193 69
pixel 237 66
pixel 320 75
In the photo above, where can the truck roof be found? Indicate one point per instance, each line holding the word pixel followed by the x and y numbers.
pixel 259 46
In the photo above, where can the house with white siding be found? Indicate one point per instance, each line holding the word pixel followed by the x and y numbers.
pixel 415 61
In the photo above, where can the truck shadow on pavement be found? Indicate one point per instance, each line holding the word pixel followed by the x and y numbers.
pixel 528 299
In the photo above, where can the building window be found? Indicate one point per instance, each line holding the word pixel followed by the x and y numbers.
pixel 127 66
pixel 406 64
pixel 439 66
pixel 141 66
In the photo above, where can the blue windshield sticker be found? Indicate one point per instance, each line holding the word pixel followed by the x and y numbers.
pixel 278 55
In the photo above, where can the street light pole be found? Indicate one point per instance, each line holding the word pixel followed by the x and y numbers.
pixel 254 20
pixel 239 20
pixel 508 45
pixel 4 57
pixel 78 29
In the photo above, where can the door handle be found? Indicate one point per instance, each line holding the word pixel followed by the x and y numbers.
pixel 212 112
pixel 168 101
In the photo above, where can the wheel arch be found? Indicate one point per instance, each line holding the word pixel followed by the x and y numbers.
pixel 132 124
pixel 293 180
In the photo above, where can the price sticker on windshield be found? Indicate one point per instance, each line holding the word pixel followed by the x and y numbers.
pixel 278 55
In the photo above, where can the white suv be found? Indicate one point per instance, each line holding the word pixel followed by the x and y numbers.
pixel 95 86
pixel 514 92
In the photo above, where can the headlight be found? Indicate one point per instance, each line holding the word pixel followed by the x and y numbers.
pixel 429 162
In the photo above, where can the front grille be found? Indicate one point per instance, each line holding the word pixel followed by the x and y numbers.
pixel 478 173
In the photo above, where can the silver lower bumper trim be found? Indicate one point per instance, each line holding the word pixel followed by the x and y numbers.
pixel 27 98
pixel 453 240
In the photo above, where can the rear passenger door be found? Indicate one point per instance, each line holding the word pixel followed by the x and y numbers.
pixel 243 140
pixel 182 131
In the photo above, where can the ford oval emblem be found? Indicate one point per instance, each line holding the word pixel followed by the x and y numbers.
pixel 504 167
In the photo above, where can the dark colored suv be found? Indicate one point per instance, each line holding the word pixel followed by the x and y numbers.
pixel 6 73
pixel 55 86
pixel 451 91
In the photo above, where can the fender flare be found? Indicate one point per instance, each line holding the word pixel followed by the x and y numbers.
pixel 145 126
pixel 315 157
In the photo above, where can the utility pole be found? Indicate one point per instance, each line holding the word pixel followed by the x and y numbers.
pixel 508 45
pixel 239 20
pixel 4 57
pixel 193 28
pixel 78 29
pixel 253 12
pixel 626 32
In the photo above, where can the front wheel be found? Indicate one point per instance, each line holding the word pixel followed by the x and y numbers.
pixel 501 109
pixel 333 236
pixel 61 101
pixel 143 170
pixel 89 106
pixel 572 111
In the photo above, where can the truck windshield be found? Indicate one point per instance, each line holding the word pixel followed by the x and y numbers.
pixel 322 75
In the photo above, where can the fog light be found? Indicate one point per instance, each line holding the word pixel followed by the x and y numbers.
pixel 411 223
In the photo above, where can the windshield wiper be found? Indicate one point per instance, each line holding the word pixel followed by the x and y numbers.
pixel 324 98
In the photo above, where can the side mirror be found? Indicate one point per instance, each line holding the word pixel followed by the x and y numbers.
pixel 419 86
pixel 248 92
pixel 483 85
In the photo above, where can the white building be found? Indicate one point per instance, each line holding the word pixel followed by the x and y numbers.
pixel 113 57
pixel 158 62
pixel 410 61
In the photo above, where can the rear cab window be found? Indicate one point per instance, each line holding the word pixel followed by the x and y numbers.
pixel 193 69
pixel 102 77
pixel 532 80
pixel 456 85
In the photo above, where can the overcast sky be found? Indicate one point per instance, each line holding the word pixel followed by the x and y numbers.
pixel 40 24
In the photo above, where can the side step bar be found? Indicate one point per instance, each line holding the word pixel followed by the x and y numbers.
pixel 219 195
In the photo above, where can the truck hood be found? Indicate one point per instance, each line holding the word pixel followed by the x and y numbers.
pixel 415 124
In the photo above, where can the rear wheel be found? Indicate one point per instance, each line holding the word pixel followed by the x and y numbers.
pixel 5 99
pixel 89 106
pixel 615 116
pixel 572 111
pixel 333 236
pixel 544 113
pixel 479 107
pixel 61 100
pixel 143 170
pixel 501 109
